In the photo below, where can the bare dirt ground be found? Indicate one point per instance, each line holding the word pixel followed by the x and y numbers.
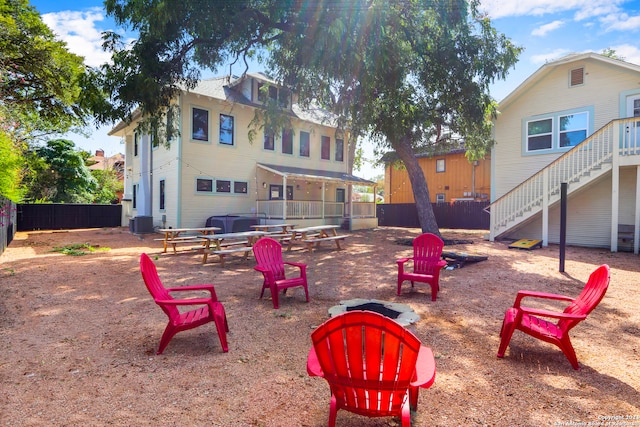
pixel 78 336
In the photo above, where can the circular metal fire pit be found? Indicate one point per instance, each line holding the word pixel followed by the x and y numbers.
pixel 401 313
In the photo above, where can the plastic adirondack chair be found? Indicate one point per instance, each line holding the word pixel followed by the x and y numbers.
pixel 427 263
pixel 526 319
pixel 210 310
pixel 268 254
pixel 373 365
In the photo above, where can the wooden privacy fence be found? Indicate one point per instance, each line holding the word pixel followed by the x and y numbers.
pixel 67 216
pixel 7 222
pixel 461 215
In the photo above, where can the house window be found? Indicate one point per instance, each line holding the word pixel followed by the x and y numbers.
pixel 283 98
pixel 340 195
pixel 440 198
pixel 135 144
pixel 573 129
pixel 204 185
pixel 558 131
pixel 339 150
pixel 576 77
pixel 154 142
pixel 226 129
pixel 287 141
pixel 269 143
pixel 135 196
pixel 199 124
pixel 162 190
pixel 325 148
pixel 304 144
pixel 223 186
pixel 539 134
pixel 240 187
pixel 275 192
pixel 440 165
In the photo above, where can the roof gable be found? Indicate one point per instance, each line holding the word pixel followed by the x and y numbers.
pixel 547 68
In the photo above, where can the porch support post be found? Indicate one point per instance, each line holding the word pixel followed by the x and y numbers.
pixel 323 191
pixel 615 187
pixel 545 207
pixel 284 197
pixel 636 229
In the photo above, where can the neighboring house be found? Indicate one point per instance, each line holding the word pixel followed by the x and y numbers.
pixel 572 122
pixel 115 162
pixel 213 168
pixel 450 177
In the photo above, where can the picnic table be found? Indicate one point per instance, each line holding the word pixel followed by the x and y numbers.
pixel 228 243
pixel 316 234
pixel 173 236
pixel 269 228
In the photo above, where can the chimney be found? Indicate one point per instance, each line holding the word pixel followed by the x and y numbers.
pixel 99 153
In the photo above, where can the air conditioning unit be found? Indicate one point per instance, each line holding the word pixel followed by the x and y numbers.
pixel 141 224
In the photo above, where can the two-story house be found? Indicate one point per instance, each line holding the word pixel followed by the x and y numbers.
pixel 450 176
pixel 213 167
pixel 574 122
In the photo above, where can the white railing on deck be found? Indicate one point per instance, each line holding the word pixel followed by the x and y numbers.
pixel 364 210
pixel 300 209
pixel 571 167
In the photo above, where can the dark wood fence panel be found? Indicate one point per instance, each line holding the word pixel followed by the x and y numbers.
pixel 460 215
pixel 67 216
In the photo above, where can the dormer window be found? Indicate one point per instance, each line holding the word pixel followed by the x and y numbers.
pixel 576 77
pixel 280 95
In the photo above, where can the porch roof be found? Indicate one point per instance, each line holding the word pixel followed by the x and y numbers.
pixel 315 174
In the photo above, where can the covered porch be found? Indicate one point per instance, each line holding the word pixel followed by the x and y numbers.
pixel 312 197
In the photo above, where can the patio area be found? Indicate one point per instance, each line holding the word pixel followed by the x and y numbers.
pixel 78 336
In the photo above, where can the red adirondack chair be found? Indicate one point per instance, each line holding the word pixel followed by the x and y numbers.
pixel 210 310
pixel 427 263
pixel 526 319
pixel 373 365
pixel 268 254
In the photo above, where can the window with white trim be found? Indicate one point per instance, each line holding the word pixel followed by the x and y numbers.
pixel 440 198
pixel 199 124
pixel 440 165
pixel 556 132
pixel 226 129
pixel 304 144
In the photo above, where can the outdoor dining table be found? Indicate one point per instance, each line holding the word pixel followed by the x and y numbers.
pixel 269 228
pixel 172 236
pixel 227 243
pixel 315 234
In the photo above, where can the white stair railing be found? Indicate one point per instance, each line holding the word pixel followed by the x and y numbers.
pixel 579 165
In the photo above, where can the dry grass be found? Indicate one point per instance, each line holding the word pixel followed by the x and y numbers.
pixel 78 336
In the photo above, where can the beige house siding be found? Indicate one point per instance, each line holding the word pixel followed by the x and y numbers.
pixel 600 93
pixel 588 224
pixel 188 159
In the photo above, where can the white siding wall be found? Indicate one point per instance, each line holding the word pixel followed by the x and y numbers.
pixel 603 86
pixel 588 223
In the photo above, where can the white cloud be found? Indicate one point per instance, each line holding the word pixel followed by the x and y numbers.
pixel 620 22
pixel 78 29
pixel 628 52
pixel 544 29
pixel 583 8
pixel 549 56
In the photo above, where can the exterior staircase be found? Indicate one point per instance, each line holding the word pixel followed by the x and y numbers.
pixel 596 156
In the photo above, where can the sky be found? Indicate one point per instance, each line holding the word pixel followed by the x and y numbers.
pixel 546 29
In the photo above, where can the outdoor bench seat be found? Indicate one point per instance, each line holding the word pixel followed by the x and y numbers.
pixel 317 240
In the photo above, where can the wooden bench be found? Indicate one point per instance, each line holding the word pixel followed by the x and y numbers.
pixel 222 252
pixel 626 232
pixel 317 240
pixel 181 240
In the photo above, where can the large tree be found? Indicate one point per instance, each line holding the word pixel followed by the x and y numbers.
pixel 400 71
pixel 57 173
pixel 45 90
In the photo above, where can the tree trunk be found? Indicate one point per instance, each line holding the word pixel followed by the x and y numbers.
pixel 419 186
